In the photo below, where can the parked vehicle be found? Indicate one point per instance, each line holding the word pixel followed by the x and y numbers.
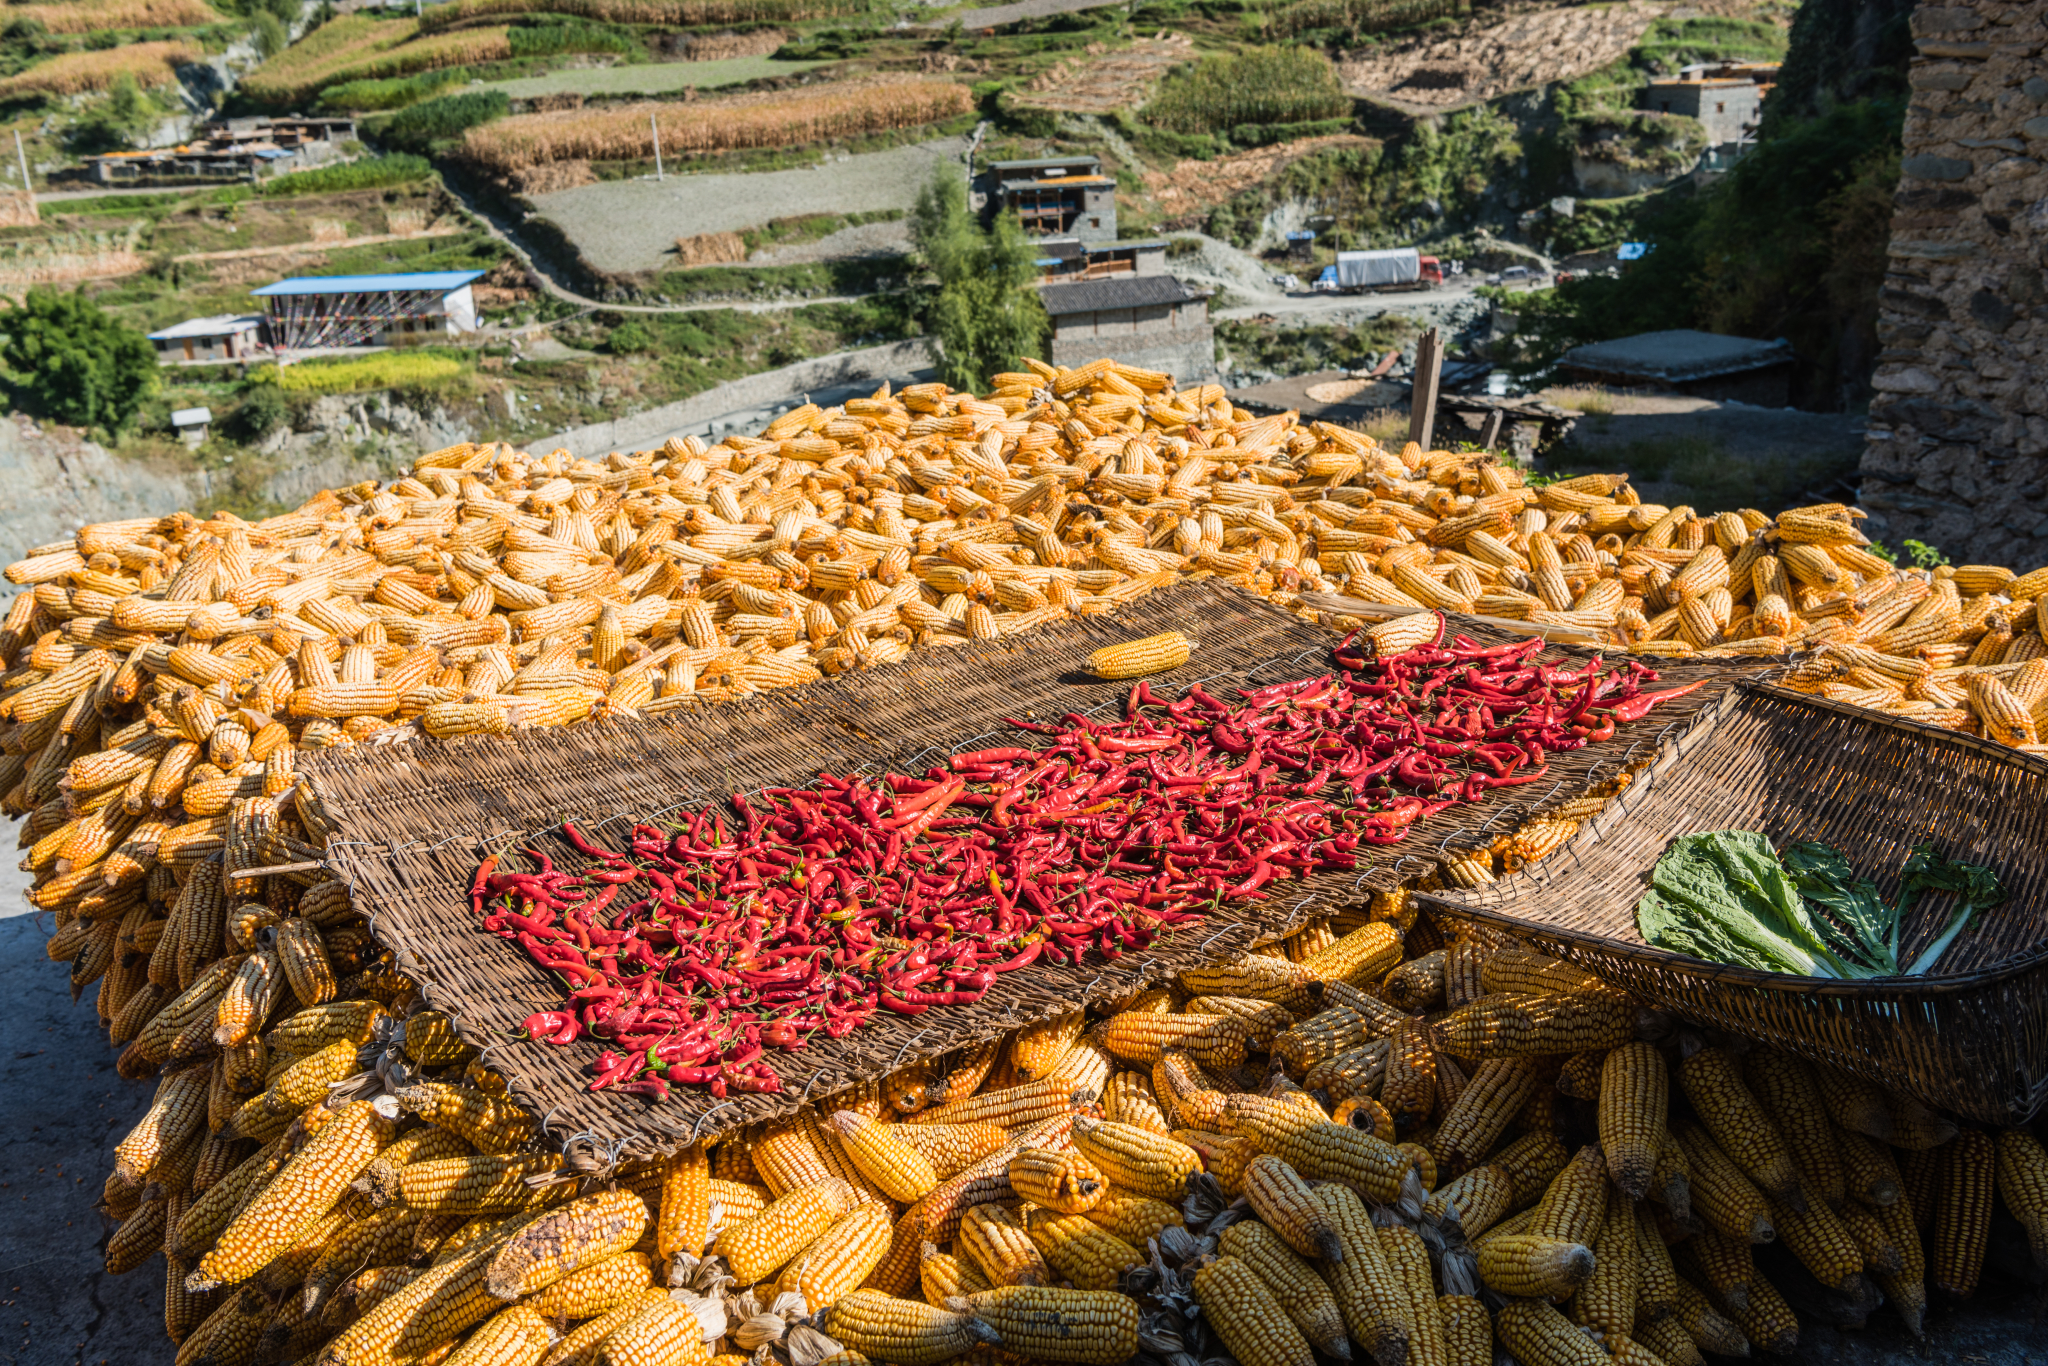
pixel 1392 268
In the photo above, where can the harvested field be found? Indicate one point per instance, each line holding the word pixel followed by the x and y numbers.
pixel 630 226
pixel 685 12
pixel 76 73
pixel 1193 186
pixel 1102 81
pixel 91 16
pixel 662 78
pixel 323 54
pixel 706 126
pixel 1482 60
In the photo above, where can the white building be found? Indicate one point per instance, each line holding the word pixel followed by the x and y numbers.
pixel 369 310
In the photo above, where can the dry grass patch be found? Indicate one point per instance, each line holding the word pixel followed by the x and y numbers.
pixel 688 13
pixel 621 132
pixel 78 73
pixel 90 16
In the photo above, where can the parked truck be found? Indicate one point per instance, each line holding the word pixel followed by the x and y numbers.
pixel 1393 268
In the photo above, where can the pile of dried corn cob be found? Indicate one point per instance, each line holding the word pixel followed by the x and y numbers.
pixel 1320 1148
pixel 163 672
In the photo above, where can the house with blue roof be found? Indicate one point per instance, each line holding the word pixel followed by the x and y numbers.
pixel 324 311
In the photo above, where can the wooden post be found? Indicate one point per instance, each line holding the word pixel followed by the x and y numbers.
pixel 1429 364
pixel 1489 435
pixel 27 187
pixel 655 129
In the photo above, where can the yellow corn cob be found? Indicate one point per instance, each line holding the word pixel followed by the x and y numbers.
pixel 1224 1156
pixel 1284 1202
pixel 1370 1295
pixel 1353 1075
pixel 1575 1202
pixel 1008 1106
pixel 1530 1265
pixel 581 1346
pixel 430 1038
pixel 1818 1239
pixel 1739 1125
pixel 1363 955
pixel 1331 1034
pixel 1905 1289
pixel 1134 1218
pixel 1767 1321
pixel 1668 1341
pixel 1920 1184
pixel 1079 1251
pixel 1257 976
pixel 1538 1335
pixel 937 1216
pixel 140 1237
pixel 1873 1242
pixel 1250 1322
pixel 1409 1260
pixel 1517 969
pixel 1037 1049
pixel 755 1249
pixel 1409 1091
pixel 1633 1097
pixel 1416 985
pixel 1607 1301
pixel 1263 1020
pixel 490 1124
pixel 485 1183
pixel 2023 1182
pixel 1468 1331
pixel 315 1027
pixel 895 1168
pixel 200 1223
pixel 1064 1182
pixel 905 1332
pixel 1135 1160
pixel 1213 1040
pixel 835 1265
pixel 1134 658
pixel 1914 1125
pixel 662 1334
pixel 1720 1264
pixel 897 1272
pixel 1332 1152
pixel 1129 1099
pixel 1962 1215
pixel 596 1288
pixel 230 1333
pixel 1721 1194
pixel 788 1160
pixel 941 1275
pixel 1711 1330
pixel 177 1112
pixel 1511 1026
pixel 306 1188
pixel 1477 1200
pixel 997 1242
pixel 1369 1116
pixel 1785 1087
pixel 563 1240
pixel 1869 1172
pixel 1044 1323
pixel 951 1148
pixel 517 1336
pixel 684 1220
pixel 735 1202
pixel 1188 1094
pixel 1854 1104
pixel 1498 1089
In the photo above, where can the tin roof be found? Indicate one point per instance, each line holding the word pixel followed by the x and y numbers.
pixel 219 325
pixel 428 281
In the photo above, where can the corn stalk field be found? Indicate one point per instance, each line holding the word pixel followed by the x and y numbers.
pixel 93 16
pixel 1257 85
pixel 683 12
pixel 77 73
pixel 343 49
pixel 622 133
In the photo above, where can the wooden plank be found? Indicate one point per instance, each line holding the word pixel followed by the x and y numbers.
pixel 1489 435
pixel 1429 364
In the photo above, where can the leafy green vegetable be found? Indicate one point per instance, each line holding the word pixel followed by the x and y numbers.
pixel 1825 878
pixel 1976 886
pixel 1727 896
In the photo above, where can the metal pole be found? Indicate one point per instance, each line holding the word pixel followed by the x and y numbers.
pixel 27 187
pixel 655 129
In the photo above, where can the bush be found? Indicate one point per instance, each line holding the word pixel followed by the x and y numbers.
pixel 394 92
pixel 629 338
pixel 114 122
pixel 1260 85
pixel 568 35
pixel 417 129
pixel 986 316
pixel 74 362
pixel 367 174
pixel 388 371
pixel 263 410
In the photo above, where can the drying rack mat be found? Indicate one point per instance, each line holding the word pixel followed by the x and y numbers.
pixel 414 819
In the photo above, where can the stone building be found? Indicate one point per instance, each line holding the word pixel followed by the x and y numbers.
pixel 1957 452
pixel 1150 321
pixel 1727 98
pixel 1055 197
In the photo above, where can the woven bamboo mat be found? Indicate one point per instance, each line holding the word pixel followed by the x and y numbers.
pixel 415 818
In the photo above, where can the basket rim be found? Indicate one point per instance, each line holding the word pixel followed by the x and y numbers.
pixel 1647 955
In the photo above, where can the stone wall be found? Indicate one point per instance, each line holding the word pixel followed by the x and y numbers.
pixel 1958 445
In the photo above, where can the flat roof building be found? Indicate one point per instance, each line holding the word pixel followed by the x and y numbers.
pixel 230 149
pixel 1151 321
pixel 1063 260
pixel 200 341
pixel 379 310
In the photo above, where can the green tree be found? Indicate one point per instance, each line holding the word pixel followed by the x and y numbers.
pixel 986 316
pixel 73 362
pixel 115 121
pixel 269 34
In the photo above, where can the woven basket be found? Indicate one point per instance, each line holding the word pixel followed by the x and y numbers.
pixel 1972 1040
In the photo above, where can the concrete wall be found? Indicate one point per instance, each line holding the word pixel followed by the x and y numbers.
pixel 1189 355
pixel 1958 439
pixel 1725 108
